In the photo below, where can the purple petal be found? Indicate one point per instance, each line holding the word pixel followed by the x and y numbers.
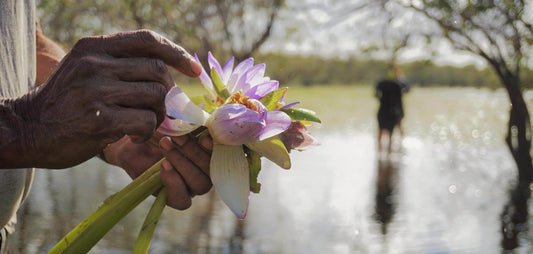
pixel 309 141
pixel 230 176
pixel 256 75
pixel 179 106
pixel 226 71
pixel 262 89
pixel 289 105
pixel 276 123
pixel 234 124
pixel 243 82
pixel 205 79
pixel 238 73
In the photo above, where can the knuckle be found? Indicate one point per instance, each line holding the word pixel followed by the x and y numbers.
pixel 87 65
pixel 157 90
pixel 148 124
pixel 86 43
pixel 88 61
pixel 158 66
pixel 148 36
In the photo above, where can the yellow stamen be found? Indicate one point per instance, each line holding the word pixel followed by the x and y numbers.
pixel 240 98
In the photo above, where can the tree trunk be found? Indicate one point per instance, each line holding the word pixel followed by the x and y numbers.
pixel 515 213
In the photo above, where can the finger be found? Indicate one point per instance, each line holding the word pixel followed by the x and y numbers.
pixel 206 142
pixel 180 140
pixel 140 69
pixel 137 95
pixel 145 43
pixel 198 182
pixel 178 195
pixel 195 153
pixel 138 123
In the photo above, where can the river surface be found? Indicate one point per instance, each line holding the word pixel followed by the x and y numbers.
pixel 442 190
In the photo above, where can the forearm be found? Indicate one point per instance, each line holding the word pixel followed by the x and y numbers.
pixel 49 54
pixel 15 134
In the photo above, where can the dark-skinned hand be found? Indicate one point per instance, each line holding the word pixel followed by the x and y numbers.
pixel 123 76
pixel 106 87
pixel 184 172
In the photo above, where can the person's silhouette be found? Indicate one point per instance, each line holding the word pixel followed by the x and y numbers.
pixel 390 113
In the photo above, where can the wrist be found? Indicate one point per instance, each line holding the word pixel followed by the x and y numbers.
pixel 17 142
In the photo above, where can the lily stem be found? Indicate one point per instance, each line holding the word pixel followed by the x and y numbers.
pixel 86 234
pixel 150 223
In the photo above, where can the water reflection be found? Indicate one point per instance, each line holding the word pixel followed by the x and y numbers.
pixel 444 193
pixel 515 215
pixel 385 190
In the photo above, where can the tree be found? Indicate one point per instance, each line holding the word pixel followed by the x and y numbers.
pixel 236 27
pixel 498 31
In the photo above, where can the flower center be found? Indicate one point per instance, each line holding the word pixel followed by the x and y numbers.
pixel 240 98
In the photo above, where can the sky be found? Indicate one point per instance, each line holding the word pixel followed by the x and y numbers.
pixel 333 28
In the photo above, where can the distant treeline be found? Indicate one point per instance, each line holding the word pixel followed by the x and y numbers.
pixel 314 70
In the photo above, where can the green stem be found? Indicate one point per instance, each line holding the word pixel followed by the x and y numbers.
pixel 84 236
pixel 150 223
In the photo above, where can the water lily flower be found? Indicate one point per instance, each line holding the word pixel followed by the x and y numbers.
pixel 246 77
pixel 240 120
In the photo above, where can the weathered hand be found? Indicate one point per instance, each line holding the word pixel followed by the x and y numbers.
pixel 105 88
pixel 185 172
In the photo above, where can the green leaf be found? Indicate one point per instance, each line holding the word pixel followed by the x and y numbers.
pixel 301 114
pixel 271 99
pixel 220 88
pixel 254 164
pixel 272 149
pixel 209 102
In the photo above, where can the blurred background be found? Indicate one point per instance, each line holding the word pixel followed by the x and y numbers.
pixel 457 178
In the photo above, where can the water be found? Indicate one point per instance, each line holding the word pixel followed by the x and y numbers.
pixel 441 191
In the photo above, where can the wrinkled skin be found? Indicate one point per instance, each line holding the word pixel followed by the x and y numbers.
pixel 105 87
pixel 107 93
pixel 185 171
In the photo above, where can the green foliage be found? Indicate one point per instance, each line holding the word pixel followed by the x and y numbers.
pixel 302 114
pixel 254 164
pixel 208 102
pixel 220 88
pixel 313 70
pixel 236 27
pixel 271 99
pixel 198 26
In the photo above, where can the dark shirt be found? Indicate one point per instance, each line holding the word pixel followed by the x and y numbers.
pixel 389 93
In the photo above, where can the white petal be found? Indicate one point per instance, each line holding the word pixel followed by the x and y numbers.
pixel 176 127
pixel 230 176
pixel 179 106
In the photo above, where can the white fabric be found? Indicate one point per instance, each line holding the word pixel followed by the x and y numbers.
pixel 17 77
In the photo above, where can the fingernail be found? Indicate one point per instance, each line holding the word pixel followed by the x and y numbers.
pixel 181 140
pixel 166 165
pixel 166 143
pixel 196 67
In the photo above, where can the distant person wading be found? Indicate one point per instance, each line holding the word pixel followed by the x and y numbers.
pixel 390 113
